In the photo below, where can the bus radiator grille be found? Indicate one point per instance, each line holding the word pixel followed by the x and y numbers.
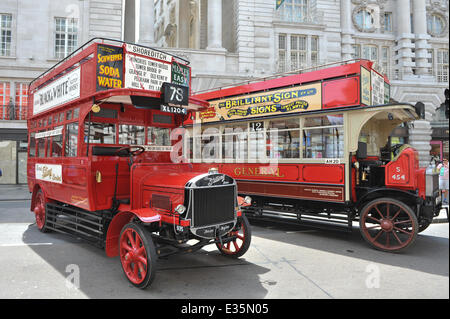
pixel 213 205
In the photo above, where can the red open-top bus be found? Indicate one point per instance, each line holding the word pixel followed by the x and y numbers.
pixel 314 146
pixel 102 164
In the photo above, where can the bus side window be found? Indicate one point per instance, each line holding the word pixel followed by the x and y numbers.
pixel 69 115
pixel 71 140
pixel 131 134
pixel 32 146
pixel 49 146
pixel 101 133
pixel 57 146
pixel 40 147
pixel 159 136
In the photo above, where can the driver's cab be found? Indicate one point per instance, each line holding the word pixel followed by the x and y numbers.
pixel 376 156
pixel 115 137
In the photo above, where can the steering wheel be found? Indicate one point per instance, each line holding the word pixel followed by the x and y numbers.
pixel 396 148
pixel 138 150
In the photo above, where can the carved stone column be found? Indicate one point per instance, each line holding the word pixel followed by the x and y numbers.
pixel 421 36
pixel 215 25
pixel 346 29
pixel 404 36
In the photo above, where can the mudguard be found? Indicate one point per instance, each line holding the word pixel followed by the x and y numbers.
pixel 146 215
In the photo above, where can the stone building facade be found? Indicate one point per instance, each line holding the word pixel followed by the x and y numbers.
pixel 35 35
pixel 232 41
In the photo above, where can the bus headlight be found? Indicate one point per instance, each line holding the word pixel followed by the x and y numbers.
pixel 248 200
pixel 180 209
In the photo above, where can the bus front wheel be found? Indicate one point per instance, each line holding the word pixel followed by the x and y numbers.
pixel 239 245
pixel 137 255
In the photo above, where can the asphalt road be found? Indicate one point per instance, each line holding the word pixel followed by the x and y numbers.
pixel 282 262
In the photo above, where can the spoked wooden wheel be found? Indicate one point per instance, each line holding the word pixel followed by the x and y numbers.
pixel 388 224
pixel 241 243
pixel 137 255
pixel 40 212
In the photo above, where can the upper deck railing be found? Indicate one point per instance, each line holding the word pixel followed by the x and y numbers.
pixel 113 71
pixel 282 74
pixel 85 46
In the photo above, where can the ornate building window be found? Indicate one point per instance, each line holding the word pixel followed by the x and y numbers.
pixel 436 25
pixel 370 52
pixel 21 101
pixel 5 95
pixel 282 48
pixel 442 65
pixel 388 22
pixel 381 55
pixel 294 10
pixel 66 36
pixel 364 19
pixel 5 34
pixel 297 52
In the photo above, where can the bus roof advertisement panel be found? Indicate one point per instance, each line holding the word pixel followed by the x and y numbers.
pixel 365 87
pixel 291 100
pixel 377 88
pixel 109 67
pixel 146 74
pixel 148 69
pixel 60 91
pixel 153 54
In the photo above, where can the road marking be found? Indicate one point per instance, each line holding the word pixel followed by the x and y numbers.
pixel 306 277
pixel 25 244
pixel 301 231
pixel 20 234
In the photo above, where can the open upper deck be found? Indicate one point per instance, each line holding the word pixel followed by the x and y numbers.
pixel 346 84
pixel 106 70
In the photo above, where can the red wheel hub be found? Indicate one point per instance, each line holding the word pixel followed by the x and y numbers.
pixel 387 225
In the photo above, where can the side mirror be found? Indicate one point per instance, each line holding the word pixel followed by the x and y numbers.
pixel 420 110
pixel 361 153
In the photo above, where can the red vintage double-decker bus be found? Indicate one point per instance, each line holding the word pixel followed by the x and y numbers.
pixel 315 146
pixel 102 164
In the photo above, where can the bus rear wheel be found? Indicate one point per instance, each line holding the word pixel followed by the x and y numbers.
pixel 137 255
pixel 40 212
pixel 388 224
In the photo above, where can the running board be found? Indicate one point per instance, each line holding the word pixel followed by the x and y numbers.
pixel 76 222
pixel 319 220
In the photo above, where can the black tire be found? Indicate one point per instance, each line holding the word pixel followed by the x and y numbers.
pixel 142 249
pixel 242 226
pixel 396 221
